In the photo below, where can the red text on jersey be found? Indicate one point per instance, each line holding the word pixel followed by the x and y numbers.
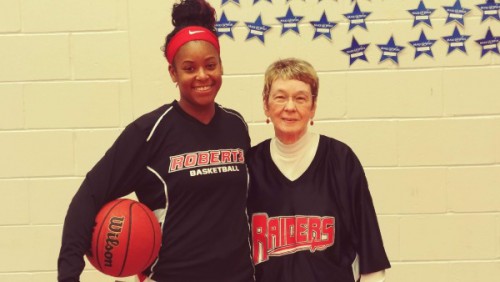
pixel 282 235
pixel 206 158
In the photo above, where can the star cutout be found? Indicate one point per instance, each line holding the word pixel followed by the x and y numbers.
pixel 422 14
pixel 357 18
pixel 456 41
pixel 224 26
pixel 423 46
pixel 255 1
pixel 323 27
pixel 356 51
pixel 489 43
pixel 227 1
pixel 390 50
pixel 456 13
pixel 490 10
pixel 257 29
pixel 290 22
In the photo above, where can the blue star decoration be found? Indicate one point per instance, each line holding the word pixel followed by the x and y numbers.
pixel 422 14
pixel 357 18
pixel 257 29
pixel 255 1
pixel 490 10
pixel 489 43
pixel 456 41
pixel 390 50
pixel 323 27
pixel 226 1
pixel 224 26
pixel 456 13
pixel 290 22
pixel 356 51
pixel 423 46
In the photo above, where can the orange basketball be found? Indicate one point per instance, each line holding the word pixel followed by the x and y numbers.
pixel 126 238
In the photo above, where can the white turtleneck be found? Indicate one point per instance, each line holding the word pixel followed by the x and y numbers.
pixel 293 159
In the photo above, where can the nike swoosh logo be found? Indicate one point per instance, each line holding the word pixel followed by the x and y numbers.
pixel 191 32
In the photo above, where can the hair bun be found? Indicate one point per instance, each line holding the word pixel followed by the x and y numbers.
pixel 193 12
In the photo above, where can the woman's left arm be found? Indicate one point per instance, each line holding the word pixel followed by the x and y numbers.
pixel 367 237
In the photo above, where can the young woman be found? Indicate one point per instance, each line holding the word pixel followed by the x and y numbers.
pixel 310 208
pixel 185 161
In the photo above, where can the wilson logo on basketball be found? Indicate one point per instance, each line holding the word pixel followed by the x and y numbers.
pixel 126 238
pixel 112 240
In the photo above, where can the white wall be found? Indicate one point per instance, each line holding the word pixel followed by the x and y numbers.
pixel 74 73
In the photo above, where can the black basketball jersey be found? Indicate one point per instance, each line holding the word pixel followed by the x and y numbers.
pixel 311 229
pixel 193 176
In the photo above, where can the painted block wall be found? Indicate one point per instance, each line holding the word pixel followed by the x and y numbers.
pixel 427 130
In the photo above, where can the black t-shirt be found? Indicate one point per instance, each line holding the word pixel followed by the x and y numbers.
pixel 193 176
pixel 311 229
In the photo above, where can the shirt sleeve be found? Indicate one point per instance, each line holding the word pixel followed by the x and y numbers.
pixel 367 237
pixel 112 177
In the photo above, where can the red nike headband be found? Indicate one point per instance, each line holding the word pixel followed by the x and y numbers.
pixel 187 34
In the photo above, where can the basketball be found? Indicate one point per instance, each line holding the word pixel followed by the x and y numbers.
pixel 126 238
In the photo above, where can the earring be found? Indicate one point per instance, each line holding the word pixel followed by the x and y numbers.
pixel 267 120
pixel 311 122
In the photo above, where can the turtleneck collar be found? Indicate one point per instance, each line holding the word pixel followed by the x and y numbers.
pixel 294 159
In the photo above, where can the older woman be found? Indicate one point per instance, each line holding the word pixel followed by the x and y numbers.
pixel 311 213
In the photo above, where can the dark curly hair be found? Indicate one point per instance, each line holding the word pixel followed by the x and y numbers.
pixel 191 12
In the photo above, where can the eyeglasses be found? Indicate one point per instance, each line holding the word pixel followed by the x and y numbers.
pixel 282 99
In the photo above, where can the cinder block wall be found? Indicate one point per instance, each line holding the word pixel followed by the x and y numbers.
pixel 427 130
